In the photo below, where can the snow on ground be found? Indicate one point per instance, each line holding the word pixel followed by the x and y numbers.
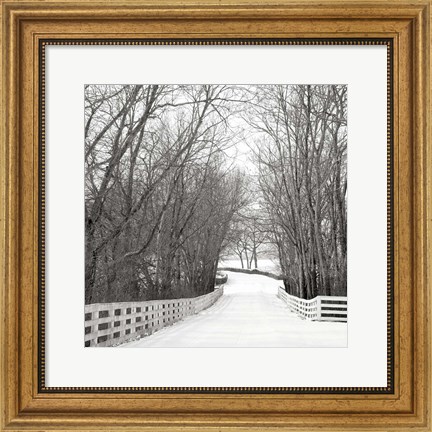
pixel 248 315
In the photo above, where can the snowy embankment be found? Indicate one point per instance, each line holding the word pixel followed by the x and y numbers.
pixel 248 315
pixel 264 264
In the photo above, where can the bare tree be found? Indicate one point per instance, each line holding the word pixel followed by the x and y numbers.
pixel 302 175
pixel 153 163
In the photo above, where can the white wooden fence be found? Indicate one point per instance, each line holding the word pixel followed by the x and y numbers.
pixel 108 324
pixel 320 308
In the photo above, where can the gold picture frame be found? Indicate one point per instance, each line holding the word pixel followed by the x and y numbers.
pixel 29 26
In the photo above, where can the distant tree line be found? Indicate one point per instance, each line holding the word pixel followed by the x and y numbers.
pixel 164 197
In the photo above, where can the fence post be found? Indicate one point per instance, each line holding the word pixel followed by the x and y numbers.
pixel 318 306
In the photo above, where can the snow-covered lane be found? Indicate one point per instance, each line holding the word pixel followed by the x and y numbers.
pixel 249 314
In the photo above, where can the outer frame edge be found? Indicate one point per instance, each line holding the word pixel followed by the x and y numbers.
pixel 389 389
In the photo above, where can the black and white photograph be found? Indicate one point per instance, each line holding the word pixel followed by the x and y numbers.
pixel 215 215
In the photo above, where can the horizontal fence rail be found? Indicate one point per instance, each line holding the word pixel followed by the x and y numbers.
pixel 320 308
pixel 108 324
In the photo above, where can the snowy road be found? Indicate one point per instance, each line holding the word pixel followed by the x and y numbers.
pixel 248 315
